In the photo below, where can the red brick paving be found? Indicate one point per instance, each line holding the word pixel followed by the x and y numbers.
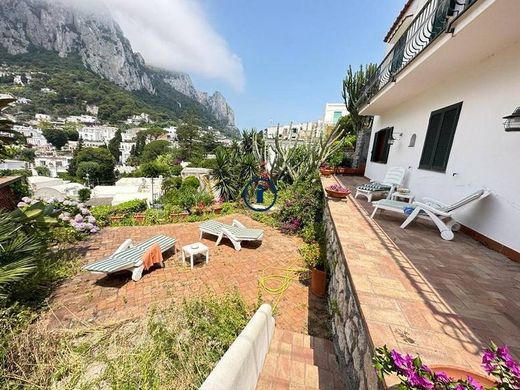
pixel 297 361
pixel 443 299
pixel 94 298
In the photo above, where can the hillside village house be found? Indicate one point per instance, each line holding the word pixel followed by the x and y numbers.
pixel 438 100
pixel 97 133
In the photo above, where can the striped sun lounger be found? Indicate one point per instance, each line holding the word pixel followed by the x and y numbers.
pixel 236 232
pixel 393 179
pixel 130 257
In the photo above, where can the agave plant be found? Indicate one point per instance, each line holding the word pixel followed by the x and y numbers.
pixel 19 250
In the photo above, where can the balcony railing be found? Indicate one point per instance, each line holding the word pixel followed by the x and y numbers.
pixel 434 18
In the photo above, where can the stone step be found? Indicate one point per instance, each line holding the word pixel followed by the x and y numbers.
pixel 299 361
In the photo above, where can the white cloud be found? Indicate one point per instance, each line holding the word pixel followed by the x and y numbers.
pixel 176 35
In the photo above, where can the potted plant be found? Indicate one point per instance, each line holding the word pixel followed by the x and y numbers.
pixel 337 191
pixel 413 374
pixel 326 170
pixel 139 218
pixel 217 206
pixel 177 213
pixel 116 218
pixel 313 258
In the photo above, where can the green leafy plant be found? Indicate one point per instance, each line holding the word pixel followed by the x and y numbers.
pixel 190 182
pixel 311 255
pixel 84 194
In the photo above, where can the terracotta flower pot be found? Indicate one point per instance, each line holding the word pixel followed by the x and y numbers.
pixel 179 216
pixel 462 373
pixel 337 194
pixel 341 170
pixel 326 171
pixel 318 282
pixel 116 218
pixel 139 218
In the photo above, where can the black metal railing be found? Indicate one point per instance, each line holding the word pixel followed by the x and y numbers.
pixel 434 18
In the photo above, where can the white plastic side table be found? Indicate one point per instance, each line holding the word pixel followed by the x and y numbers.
pixel 193 250
pixel 397 195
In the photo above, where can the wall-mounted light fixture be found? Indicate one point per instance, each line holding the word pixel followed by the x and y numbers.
pixel 394 138
pixel 512 122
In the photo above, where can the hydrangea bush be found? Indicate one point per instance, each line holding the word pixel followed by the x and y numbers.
pixel 72 213
pixel 413 374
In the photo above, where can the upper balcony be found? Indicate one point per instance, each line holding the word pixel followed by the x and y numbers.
pixel 444 37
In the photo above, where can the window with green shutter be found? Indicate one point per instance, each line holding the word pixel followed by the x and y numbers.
pixel 439 138
pixel 381 147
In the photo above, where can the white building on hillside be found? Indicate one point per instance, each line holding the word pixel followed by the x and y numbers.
pixel 450 76
pixel 33 135
pixel 56 163
pixel 128 188
pixel 129 135
pixel 333 112
pixel 101 134
pixel 48 187
pixel 12 164
pixel 125 148
pixel 85 119
pixel 293 131
pixel 138 119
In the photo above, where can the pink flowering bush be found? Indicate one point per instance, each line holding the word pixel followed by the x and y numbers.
pixel 338 188
pixel 413 374
pixel 71 214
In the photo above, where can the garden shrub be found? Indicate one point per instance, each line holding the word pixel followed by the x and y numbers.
pixel 171 183
pixel 191 182
pixel 84 194
pixel 132 206
pixel 302 208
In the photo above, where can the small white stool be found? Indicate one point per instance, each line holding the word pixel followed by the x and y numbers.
pixel 194 249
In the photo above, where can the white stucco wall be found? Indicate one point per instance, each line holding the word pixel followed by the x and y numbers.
pixel 482 155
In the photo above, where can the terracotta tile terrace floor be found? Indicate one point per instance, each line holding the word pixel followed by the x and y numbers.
pixel 443 299
pixel 95 299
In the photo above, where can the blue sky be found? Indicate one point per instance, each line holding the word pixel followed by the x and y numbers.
pixel 295 53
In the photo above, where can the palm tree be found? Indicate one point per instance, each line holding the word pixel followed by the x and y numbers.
pixel 18 250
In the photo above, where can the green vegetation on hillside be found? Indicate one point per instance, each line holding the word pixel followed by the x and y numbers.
pixel 75 86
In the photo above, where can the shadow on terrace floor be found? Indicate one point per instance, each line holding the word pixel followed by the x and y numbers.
pixel 469 293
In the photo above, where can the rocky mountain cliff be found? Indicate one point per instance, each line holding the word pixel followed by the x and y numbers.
pixel 27 25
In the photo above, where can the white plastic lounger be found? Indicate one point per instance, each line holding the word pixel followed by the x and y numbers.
pixel 393 179
pixel 130 257
pixel 440 213
pixel 236 232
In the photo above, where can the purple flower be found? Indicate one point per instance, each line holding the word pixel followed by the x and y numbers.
pixel 94 230
pixel 474 383
pixel 487 360
pixel 89 226
pixel 78 218
pixel 419 381
pixel 442 377
pixel 91 219
pixel 84 211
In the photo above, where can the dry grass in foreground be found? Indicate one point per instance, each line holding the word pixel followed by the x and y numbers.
pixel 174 348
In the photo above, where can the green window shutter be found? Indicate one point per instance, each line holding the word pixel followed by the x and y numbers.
pixel 388 133
pixel 439 138
pixel 431 138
